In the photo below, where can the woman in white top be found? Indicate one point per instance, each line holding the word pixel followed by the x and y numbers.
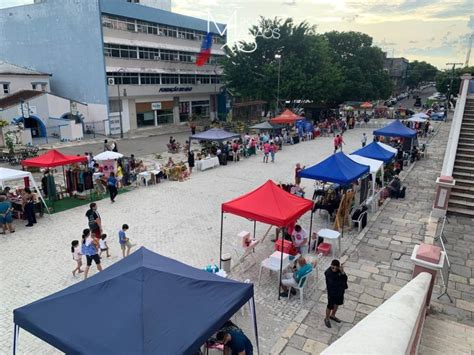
pixel 77 256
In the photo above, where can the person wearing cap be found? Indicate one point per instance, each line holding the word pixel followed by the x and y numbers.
pixel 336 285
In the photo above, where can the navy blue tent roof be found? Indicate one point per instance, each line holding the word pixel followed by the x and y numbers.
pixel 395 129
pixel 375 151
pixel 337 168
pixel 143 304
pixel 215 134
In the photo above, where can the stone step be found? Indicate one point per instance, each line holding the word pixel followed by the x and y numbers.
pixel 442 336
pixel 464 175
pixel 466 150
pixel 462 196
pixel 461 181
pixel 463 168
pixel 463 162
pixel 463 189
pixel 466 144
pixel 460 211
pixel 461 204
pixel 466 140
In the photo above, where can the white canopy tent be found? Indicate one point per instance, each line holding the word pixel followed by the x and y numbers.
pixel 12 174
pixel 108 155
pixel 388 147
pixel 416 119
pixel 374 165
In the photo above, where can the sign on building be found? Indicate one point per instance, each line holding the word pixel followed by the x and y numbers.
pixel 73 108
pixel 25 110
pixel 156 106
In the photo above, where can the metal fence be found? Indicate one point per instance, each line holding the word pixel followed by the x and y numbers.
pixel 95 128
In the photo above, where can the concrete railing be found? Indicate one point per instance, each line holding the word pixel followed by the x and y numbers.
pixel 393 328
pixel 453 140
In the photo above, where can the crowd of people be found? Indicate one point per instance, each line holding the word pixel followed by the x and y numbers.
pixel 94 242
pixel 23 201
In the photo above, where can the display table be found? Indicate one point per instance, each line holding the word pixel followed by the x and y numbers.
pixel 205 164
pixel 272 263
pixel 145 175
pixel 332 235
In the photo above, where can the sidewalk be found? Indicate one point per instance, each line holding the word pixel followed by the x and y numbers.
pixel 380 265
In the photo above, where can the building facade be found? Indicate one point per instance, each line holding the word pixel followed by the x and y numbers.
pixel 397 68
pixel 14 78
pixel 118 55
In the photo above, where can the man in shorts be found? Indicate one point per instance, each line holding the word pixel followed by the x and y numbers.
pixel 336 284
pixel 292 280
pixel 94 221
pixel 124 241
pixel 89 249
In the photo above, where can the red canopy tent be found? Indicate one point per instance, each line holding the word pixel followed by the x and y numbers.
pixel 52 159
pixel 366 105
pixel 268 204
pixel 286 117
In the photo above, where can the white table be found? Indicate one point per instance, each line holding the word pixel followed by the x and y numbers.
pixel 205 164
pixel 144 175
pixel 332 235
pixel 272 263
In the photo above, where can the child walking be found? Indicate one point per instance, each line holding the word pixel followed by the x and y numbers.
pixel 103 245
pixel 125 241
pixel 77 256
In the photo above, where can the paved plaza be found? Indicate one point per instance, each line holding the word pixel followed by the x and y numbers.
pixel 182 220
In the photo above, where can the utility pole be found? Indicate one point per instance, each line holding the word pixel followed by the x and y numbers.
pixel 451 83
pixel 278 57
pixel 121 70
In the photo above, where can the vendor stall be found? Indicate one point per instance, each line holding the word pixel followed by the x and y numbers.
pixel 267 204
pixel 287 117
pixel 375 167
pixel 267 126
pixel 399 130
pixel 167 307
pixel 340 169
pixel 12 174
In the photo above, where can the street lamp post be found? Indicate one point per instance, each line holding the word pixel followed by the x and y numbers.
pixel 278 57
pixel 121 70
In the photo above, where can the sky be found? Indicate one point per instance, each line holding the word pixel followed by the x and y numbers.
pixel 436 31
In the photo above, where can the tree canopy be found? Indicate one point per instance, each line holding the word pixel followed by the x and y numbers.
pixel 328 68
pixel 419 72
pixel 443 79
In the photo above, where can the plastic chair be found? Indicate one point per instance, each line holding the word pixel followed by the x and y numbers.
pixel 324 248
pixel 301 285
pixel 358 221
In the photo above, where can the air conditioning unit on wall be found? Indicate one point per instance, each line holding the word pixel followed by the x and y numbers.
pixel 111 81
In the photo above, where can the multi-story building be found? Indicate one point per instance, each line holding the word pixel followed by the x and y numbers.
pixel 397 68
pixel 117 54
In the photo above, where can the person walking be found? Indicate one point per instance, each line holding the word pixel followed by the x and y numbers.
pixel 112 186
pixel 94 220
pixel 363 140
pixel 336 284
pixel 273 149
pixel 76 256
pixel 125 241
pixel 6 216
pixel 266 152
pixel 190 161
pixel 89 249
pixel 298 170
pixel 103 245
pixel 336 143
pixel 28 200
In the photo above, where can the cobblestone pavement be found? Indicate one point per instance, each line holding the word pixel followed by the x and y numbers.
pixel 177 219
pixel 181 220
pixel 380 264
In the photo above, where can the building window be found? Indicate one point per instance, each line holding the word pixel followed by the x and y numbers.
pixel 187 79
pixel 215 79
pixel 124 78
pixel 39 86
pixel 134 1
pixel 169 79
pixel 149 53
pixel 200 108
pixel 6 88
pixel 203 79
pixel 33 86
pixel 150 79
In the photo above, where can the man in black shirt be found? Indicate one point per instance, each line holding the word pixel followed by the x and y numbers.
pixel 94 220
pixel 336 284
pixel 236 341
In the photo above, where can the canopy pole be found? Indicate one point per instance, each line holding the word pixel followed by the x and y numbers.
pixel 281 264
pixel 33 182
pixel 254 319
pixel 310 230
pixel 220 248
pixel 16 331
pixel 254 230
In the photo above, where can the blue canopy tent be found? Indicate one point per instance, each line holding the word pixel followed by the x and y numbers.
pixel 395 129
pixel 338 168
pixel 143 304
pixel 375 151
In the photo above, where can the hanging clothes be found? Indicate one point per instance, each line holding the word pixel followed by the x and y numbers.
pixel 51 187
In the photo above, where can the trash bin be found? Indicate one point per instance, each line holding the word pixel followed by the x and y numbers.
pixel 226 260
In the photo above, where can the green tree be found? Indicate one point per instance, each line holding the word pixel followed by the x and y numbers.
pixel 419 72
pixel 306 73
pixel 362 63
pixel 443 79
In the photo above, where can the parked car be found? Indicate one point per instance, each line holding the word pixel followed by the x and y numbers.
pixel 417 102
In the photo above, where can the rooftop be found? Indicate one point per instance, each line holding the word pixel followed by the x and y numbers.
pixel 8 68
pixel 16 98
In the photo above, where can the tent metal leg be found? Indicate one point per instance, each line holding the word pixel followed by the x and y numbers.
pixel 254 319
pixel 254 230
pixel 16 331
pixel 220 247
pixel 281 265
pixel 310 231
